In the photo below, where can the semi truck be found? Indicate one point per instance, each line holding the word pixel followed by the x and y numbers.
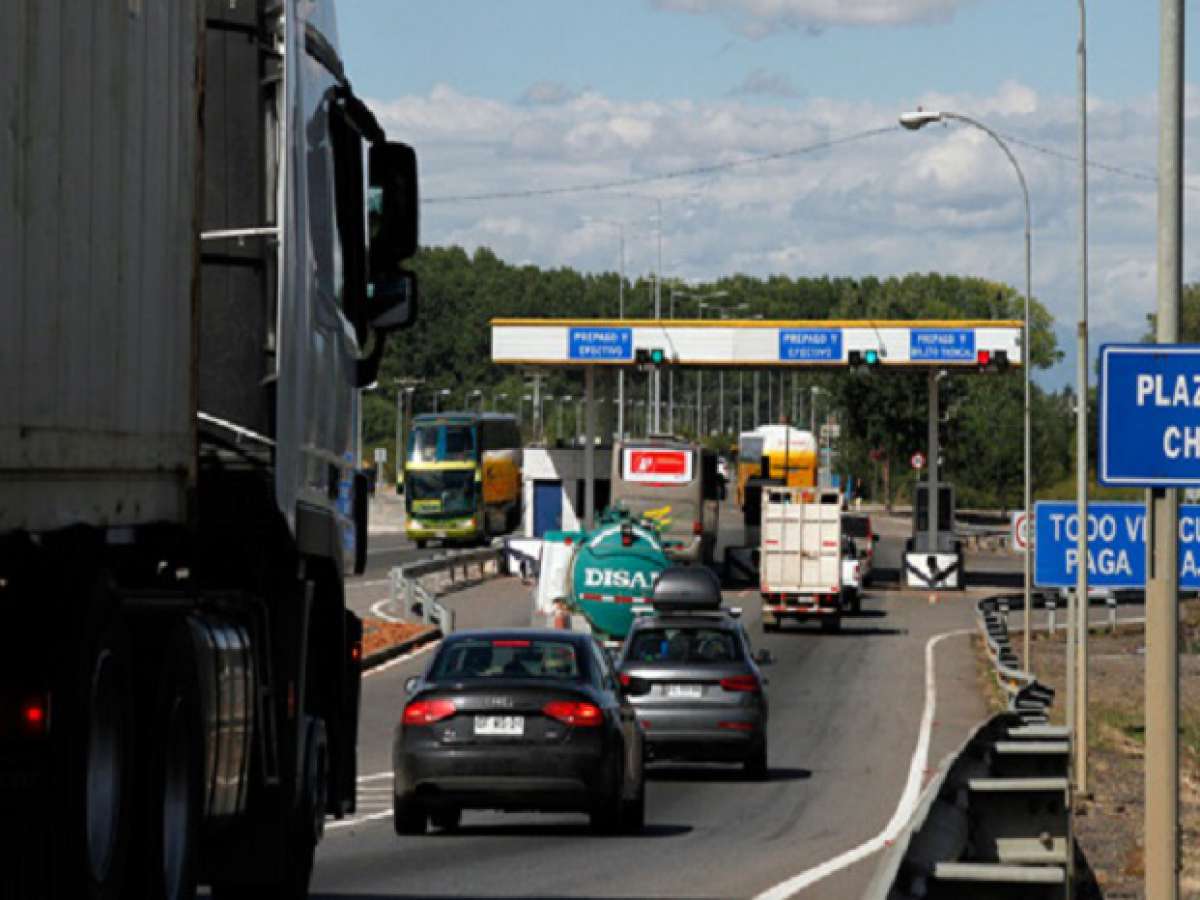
pixel 202 235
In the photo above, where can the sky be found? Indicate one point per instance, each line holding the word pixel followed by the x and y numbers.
pixel 796 103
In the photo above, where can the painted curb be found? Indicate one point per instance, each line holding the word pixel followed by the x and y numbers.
pixel 379 657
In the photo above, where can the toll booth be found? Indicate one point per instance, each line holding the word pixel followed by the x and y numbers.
pixel 554 488
pixel 938 562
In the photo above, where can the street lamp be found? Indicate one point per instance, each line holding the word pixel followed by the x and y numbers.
pixel 496 397
pixel 444 392
pixel 919 119
pixel 546 398
pixel 702 300
pixel 476 393
pixel 561 402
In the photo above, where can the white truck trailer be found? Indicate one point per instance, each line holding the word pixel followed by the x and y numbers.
pixel 800 560
pixel 196 286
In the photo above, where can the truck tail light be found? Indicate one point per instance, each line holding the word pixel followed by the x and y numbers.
pixel 426 712
pixel 571 713
pixel 697 527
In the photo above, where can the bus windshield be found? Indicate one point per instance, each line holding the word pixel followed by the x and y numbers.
pixel 446 492
pixel 443 442
pixel 750 448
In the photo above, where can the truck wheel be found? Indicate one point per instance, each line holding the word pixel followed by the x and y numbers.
pixel 175 813
pixel 304 831
pixel 106 714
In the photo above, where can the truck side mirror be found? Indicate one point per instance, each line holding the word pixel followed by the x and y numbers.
pixel 394 209
pixel 394 205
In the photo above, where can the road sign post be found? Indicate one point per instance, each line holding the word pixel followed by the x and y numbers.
pixel 1021 533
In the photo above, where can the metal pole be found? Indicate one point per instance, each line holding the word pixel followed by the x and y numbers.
pixel 400 430
pixel 721 402
pixel 741 402
pixel 1162 588
pixel 699 382
pixel 932 509
pixel 621 315
pixel 770 397
pixel 589 448
pixel 1081 433
pixel 657 379
pixel 671 378
pixel 755 407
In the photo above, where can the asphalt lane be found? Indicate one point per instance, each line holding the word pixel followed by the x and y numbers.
pixel 844 719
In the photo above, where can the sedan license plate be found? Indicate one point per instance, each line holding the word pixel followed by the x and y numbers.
pixel 685 691
pixel 510 726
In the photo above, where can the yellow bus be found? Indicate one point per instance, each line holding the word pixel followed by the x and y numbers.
pixel 462 477
pixel 788 450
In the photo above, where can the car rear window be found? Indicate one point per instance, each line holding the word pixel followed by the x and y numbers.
pixel 507 658
pixel 684 645
pixel 856 526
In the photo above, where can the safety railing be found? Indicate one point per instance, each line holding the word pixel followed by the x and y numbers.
pixel 416 586
pixel 995 820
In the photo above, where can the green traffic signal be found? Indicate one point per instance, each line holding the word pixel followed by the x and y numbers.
pixel 872 357
pixel 657 356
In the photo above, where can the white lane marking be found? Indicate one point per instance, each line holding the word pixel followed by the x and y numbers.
pixel 908 798
pixel 358 820
pixel 378 612
pixel 392 663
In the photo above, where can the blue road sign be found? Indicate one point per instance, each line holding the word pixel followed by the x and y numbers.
pixel 598 344
pixel 941 345
pixel 1116 545
pixel 810 344
pixel 1149 415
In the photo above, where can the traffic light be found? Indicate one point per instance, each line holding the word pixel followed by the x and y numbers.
pixel 858 358
pixel 654 356
pixel 992 360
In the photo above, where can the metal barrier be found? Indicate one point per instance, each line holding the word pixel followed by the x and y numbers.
pixel 995 822
pixel 410 595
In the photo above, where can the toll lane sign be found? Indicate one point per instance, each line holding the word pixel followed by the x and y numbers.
pixel 601 344
pixel 1150 415
pixel 810 344
pixel 1116 545
pixel 941 345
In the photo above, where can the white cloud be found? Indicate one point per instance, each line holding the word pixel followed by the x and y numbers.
pixel 547 93
pixel 758 18
pixel 944 199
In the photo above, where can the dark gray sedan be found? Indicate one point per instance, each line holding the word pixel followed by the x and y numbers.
pixel 520 719
pixel 706 699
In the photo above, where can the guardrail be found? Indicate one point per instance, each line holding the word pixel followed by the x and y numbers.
pixel 995 822
pixel 410 595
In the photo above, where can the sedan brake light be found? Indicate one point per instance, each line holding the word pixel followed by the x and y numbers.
pixel 571 713
pixel 426 712
pixel 625 679
pixel 741 683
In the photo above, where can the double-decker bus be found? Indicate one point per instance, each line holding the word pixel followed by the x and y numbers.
pixel 462 477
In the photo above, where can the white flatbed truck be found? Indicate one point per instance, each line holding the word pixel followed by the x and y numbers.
pixel 800 561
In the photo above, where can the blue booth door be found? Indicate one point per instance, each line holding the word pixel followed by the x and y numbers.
pixel 547 507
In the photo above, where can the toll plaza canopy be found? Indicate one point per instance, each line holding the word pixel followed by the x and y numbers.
pixel 990 344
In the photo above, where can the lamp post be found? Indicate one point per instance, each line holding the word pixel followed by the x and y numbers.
pixel 521 408
pixel 546 398
pixel 702 301
pixel 919 119
pixel 477 393
pixel 444 392
pixel 496 397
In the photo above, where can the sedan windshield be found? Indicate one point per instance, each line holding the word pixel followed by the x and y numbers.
pixel 507 658
pixel 684 645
